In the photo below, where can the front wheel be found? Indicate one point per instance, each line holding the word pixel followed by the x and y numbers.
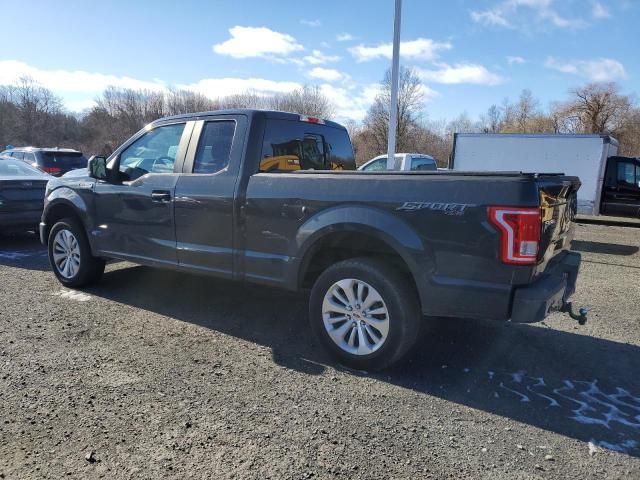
pixel 70 255
pixel 365 312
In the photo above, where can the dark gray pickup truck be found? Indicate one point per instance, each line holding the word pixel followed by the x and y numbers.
pixel 273 198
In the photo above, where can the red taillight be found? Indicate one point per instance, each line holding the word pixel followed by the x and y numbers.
pixel 304 118
pixel 519 232
pixel 52 170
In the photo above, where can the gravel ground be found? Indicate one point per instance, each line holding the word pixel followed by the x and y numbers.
pixel 159 374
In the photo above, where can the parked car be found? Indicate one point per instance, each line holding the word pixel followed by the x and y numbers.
pixel 403 161
pixel 610 184
pixel 22 189
pixel 376 249
pixel 54 161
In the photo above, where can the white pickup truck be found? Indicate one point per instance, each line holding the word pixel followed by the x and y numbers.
pixel 403 161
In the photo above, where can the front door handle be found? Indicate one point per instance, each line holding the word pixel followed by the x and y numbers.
pixel 160 196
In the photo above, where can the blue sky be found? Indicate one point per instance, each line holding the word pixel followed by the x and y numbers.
pixel 470 54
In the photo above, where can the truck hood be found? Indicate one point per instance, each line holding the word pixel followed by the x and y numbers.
pixel 78 172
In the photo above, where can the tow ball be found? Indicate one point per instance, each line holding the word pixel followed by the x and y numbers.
pixel 581 316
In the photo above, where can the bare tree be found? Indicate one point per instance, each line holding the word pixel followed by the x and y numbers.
pixel 308 100
pixel 36 106
pixel 463 124
pixel 248 99
pixel 184 101
pixel 600 107
pixel 492 121
pixel 410 110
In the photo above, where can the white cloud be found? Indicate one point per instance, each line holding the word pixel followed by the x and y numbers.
pixel 246 42
pixel 78 87
pixel 80 105
pixel 221 87
pixel 318 58
pixel 508 14
pixel 418 49
pixel 515 59
pixel 311 23
pixel 71 81
pixel 352 103
pixel 595 70
pixel 600 11
pixel 326 74
pixel 560 21
pixel 460 73
pixel 344 37
pixel 491 17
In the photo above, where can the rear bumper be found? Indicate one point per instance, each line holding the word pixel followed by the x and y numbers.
pixel 548 293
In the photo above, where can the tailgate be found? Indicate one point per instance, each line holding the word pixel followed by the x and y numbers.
pixel 558 204
pixel 22 194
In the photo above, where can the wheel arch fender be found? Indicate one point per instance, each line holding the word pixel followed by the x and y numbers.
pixel 65 202
pixel 398 235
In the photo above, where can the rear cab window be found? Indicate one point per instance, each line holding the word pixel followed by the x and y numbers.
pixel 423 163
pixel 291 145
pixel 63 159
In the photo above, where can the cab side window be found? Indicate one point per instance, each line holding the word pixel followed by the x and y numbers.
pixel 214 148
pixel 629 173
pixel 377 165
pixel 154 152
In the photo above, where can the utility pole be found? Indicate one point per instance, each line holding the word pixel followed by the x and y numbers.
pixel 395 65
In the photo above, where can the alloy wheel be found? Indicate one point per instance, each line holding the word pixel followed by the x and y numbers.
pixel 355 316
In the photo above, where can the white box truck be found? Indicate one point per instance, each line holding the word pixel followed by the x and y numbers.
pixel 610 184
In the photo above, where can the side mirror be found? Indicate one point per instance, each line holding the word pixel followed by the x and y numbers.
pixel 97 167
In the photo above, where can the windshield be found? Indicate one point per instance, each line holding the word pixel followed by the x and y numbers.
pixel 63 159
pixel 17 168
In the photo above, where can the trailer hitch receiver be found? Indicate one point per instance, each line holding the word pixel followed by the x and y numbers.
pixel 580 317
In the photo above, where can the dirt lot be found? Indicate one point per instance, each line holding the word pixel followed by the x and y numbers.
pixel 166 375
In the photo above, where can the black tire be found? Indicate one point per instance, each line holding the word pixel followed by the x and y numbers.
pixel 91 268
pixel 400 298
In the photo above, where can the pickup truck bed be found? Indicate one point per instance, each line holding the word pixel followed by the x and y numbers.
pixel 271 198
pixel 449 246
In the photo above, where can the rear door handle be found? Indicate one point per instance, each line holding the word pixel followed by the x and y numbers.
pixel 161 196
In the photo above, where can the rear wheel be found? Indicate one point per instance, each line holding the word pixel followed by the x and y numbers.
pixel 70 255
pixel 365 312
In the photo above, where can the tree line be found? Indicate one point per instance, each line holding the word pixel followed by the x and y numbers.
pixel 592 108
pixel 32 115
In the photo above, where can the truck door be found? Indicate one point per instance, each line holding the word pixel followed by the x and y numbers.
pixel 134 209
pixel 205 195
pixel 621 192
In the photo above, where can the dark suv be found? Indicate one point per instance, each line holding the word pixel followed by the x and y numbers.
pixel 54 161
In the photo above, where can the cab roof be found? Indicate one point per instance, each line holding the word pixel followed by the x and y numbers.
pixel 268 114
